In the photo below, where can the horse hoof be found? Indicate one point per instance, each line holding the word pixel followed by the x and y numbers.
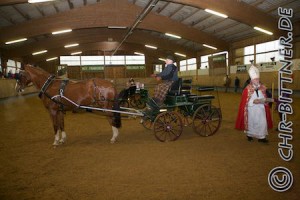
pixel 55 143
pixel 112 141
pixel 62 141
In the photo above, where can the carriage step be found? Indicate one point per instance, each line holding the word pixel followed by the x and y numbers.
pixel 199 98
pixel 173 100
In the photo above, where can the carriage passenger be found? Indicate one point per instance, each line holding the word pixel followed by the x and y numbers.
pixel 168 76
pixel 130 88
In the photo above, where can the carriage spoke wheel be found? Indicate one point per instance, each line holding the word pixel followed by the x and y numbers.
pixel 140 103
pixel 136 101
pixel 147 122
pixel 167 126
pixel 207 120
pixel 124 103
pixel 187 120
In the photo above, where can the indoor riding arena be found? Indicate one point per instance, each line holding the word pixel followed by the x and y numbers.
pixel 149 99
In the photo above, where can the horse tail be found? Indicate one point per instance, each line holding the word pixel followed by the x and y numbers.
pixel 116 122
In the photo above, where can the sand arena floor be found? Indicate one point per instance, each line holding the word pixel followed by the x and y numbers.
pixel 223 166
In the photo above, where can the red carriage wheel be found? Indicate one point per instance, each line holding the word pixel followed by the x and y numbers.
pixel 167 126
pixel 147 122
pixel 207 120
pixel 124 103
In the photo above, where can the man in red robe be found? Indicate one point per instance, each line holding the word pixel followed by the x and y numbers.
pixel 254 116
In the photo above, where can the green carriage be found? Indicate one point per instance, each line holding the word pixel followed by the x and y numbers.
pixel 181 108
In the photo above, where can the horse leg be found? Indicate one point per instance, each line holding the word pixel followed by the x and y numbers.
pixel 57 117
pixel 115 134
pixel 61 122
pixel 53 115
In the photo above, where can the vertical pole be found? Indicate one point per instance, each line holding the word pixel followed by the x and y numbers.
pixel 272 107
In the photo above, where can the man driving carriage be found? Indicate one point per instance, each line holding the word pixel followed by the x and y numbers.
pixel 168 76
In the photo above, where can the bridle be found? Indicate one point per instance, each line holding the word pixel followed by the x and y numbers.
pixel 22 81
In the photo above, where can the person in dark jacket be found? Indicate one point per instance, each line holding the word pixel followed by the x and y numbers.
pixel 168 76
pixel 236 84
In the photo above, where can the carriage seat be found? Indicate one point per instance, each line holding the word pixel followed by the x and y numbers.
pixel 175 88
pixel 200 98
pixel 206 88
pixel 181 87
pixel 186 87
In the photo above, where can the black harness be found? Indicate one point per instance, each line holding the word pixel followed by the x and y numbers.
pixel 46 85
pixel 61 91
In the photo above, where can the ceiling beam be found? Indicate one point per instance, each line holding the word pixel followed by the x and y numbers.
pixel 87 36
pixel 12 2
pixel 237 10
pixel 100 15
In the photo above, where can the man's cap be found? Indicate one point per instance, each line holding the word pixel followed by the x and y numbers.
pixel 171 58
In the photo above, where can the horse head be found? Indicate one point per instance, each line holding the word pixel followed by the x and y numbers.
pixel 23 81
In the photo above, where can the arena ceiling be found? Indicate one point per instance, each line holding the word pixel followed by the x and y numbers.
pixel 113 27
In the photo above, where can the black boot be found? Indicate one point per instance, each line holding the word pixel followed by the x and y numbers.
pixel 263 140
pixel 250 139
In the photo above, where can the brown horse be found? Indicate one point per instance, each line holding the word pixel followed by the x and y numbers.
pixel 59 96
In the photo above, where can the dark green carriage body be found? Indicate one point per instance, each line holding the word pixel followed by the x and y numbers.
pixel 183 109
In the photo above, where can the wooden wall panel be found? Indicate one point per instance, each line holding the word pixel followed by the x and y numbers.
pixel 115 72
pixel 74 72
pixel 135 73
pixel 217 65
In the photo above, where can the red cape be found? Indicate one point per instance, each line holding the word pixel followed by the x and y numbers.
pixel 241 121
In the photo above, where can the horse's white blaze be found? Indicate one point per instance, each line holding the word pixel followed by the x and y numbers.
pixel 63 137
pixel 56 138
pixel 115 134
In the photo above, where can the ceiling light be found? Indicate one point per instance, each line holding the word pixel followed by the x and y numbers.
pixel 75 53
pixel 162 59
pixel 71 45
pixel 39 52
pixel 61 31
pixel 208 46
pixel 117 27
pixel 49 59
pixel 150 46
pixel 38 1
pixel 172 35
pixel 180 54
pixel 15 41
pixel 216 13
pixel 263 30
pixel 138 53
